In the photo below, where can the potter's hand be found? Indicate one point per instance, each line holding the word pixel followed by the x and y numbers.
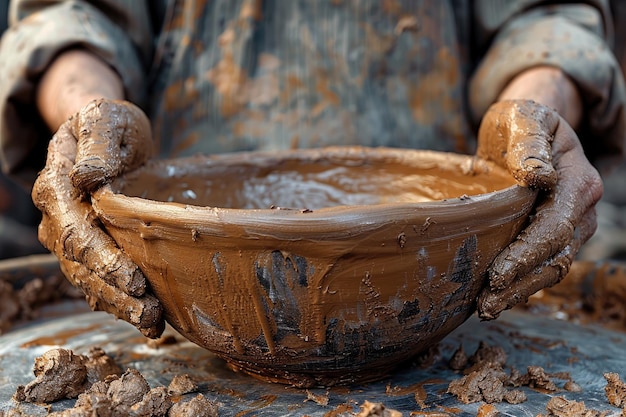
pixel 100 142
pixel 541 151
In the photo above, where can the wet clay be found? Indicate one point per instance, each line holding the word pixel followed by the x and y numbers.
pixel 315 267
pixel 487 410
pixel 102 389
pixel 100 142
pixel 314 180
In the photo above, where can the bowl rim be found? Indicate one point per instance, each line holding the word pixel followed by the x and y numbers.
pixel 511 202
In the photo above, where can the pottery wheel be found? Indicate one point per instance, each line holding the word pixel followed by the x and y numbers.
pixel 582 351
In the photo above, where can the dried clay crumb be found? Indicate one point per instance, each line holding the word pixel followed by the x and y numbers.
pixel 181 384
pixel 62 374
pixel 21 305
pixel 59 373
pixel 487 410
pixel 198 406
pixel 615 390
pixel 459 359
pixel 321 399
pixel 485 380
pixel 370 409
pixel 561 407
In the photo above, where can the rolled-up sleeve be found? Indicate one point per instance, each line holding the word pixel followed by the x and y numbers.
pixel 117 31
pixel 576 38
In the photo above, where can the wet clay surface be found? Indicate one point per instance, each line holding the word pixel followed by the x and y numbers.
pixel 313 179
pixel 317 291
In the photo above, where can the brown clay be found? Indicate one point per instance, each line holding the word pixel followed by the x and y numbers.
pixel 315 266
pixel 25 298
pixel 484 378
pixel 181 384
pixel 198 406
pixel 487 410
pixel 615 390
pixel 62 374
pixel 102 389
pixel 524 136
pixel 370 409
pixel 591 293
pixel 561 407
pixel 97 144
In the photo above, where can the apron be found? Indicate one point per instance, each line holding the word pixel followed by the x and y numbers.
pixel 241 75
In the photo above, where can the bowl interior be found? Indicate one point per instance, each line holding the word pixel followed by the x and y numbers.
pixel 312 179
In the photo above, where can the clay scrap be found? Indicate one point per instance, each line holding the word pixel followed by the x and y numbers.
pixel 62 374
pixel 22 305
pixel 371 409
pixel 615 390
pixel 484 377
pixel 102 389
pixel 561 407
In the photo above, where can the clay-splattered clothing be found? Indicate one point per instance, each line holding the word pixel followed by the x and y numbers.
pixel 226 75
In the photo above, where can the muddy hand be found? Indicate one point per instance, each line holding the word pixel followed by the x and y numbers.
pixel 541 151
pixel 102 141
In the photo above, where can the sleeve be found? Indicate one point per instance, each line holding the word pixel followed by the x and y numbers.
pixel 576 38
pixel 117 31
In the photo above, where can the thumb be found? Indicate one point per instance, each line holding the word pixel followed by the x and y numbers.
pixel 518 135
pixel 113 137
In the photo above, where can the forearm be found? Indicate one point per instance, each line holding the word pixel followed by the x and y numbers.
pixel 75 78
pixel 549 86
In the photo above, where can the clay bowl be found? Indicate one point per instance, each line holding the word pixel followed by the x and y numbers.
pixel 316 267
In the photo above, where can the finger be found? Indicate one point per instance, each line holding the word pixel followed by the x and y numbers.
pixel 69 227
pixel 547 234
pixel 113 137
pixel 145 313
pixel 492 302
pixel 517 134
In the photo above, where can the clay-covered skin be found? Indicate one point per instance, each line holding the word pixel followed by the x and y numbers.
pixel 102 141
pixel 289 281
pixel 541 151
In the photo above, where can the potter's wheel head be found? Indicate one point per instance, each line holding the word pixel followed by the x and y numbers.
pixel 316 266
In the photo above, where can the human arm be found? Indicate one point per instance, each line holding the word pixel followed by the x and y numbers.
pixel 75 78
pixel 541 150
pixel 538 140
pixel 72 80
pixel 98 136
pixel 116 31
